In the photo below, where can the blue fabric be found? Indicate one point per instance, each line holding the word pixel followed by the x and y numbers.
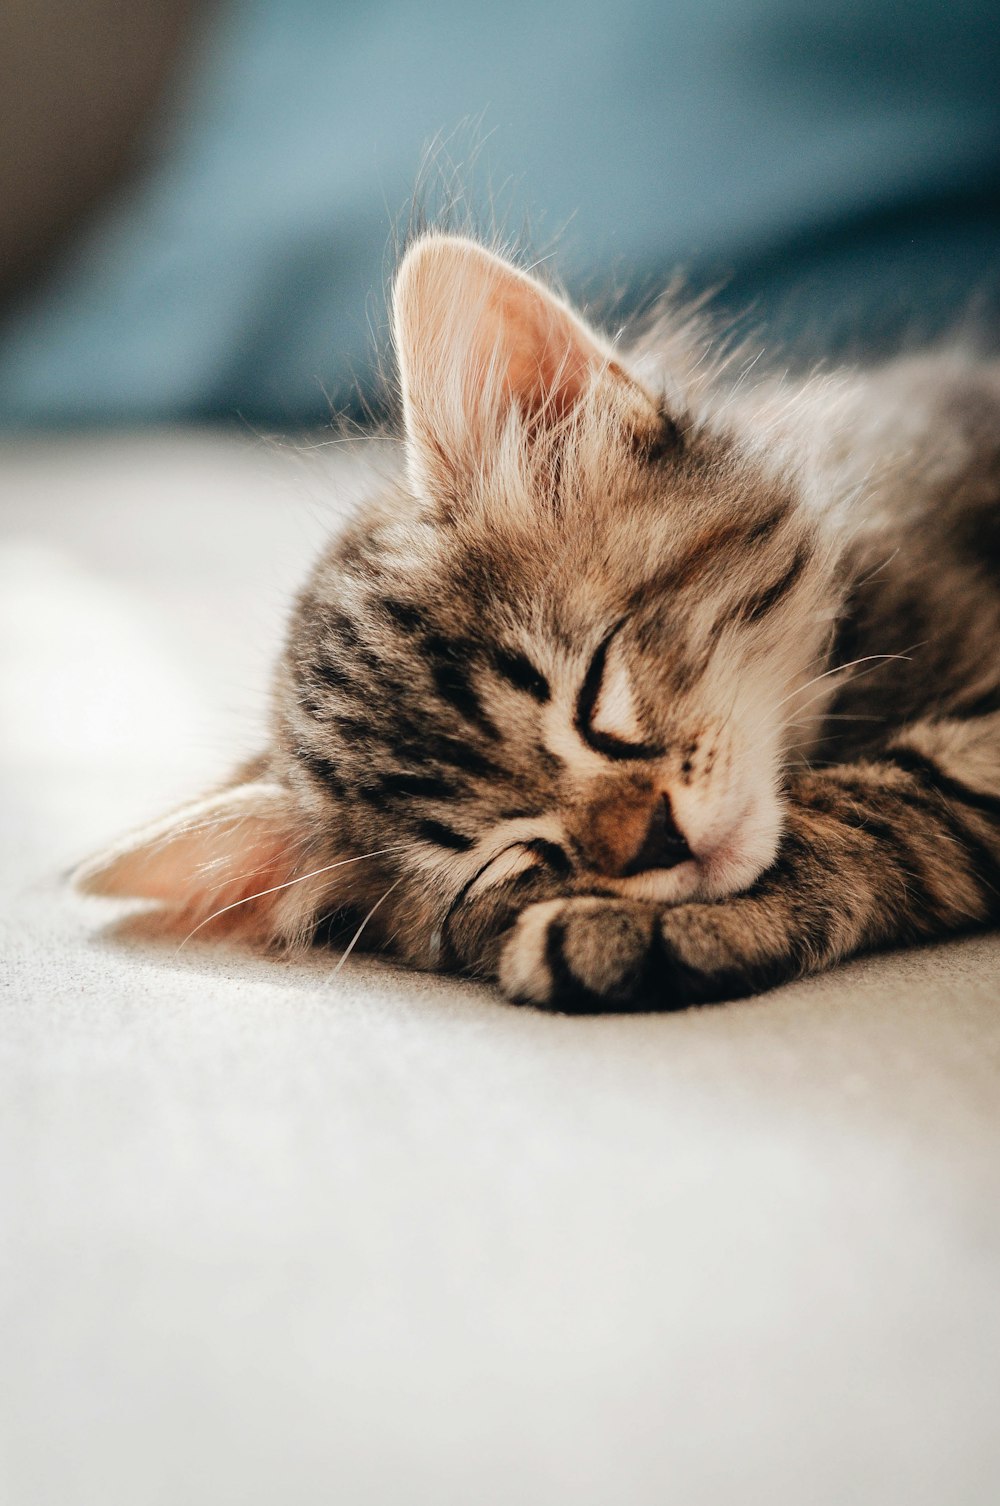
pixel 821 153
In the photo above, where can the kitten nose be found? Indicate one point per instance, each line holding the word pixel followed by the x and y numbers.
pixel 663 846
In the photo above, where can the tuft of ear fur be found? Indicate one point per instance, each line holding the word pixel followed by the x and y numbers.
pixel 235 864
pixel 480 344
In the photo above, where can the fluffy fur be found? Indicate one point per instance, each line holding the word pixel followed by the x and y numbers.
pixel 637 689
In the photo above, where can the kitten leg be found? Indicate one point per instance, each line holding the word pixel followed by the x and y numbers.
pixel 894 849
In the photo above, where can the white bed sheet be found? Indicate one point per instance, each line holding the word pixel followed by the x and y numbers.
pixel 273 1237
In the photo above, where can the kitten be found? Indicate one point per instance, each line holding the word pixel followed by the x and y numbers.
pixel 637 690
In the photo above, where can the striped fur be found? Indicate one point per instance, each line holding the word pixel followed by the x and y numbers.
pixel 638 689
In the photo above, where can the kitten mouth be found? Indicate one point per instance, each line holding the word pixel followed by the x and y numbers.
pixel 727 864
pixel 668 886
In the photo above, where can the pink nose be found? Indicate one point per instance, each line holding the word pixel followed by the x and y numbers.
pixel 663 846
pixel 629 828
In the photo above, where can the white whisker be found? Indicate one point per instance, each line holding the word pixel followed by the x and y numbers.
pixel 839 669
pixel 300 879
pixel 357 935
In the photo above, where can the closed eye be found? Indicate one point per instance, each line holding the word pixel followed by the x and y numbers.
pixel 507 867
pixel 510 862
pixel 610 744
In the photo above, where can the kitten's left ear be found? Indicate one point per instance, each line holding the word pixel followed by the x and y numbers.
pixel 236 863
pixel 479 342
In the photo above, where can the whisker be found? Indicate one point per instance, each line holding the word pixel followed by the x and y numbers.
pixel 300 879
pixel 802 718
pixel 357 935
pixel 876 570
pixel 838 669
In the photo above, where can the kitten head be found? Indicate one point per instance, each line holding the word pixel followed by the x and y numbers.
pixel 562 655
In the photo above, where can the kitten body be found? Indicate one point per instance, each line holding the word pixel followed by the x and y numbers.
pixel 638 688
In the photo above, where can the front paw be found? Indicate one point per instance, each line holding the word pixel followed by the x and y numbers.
pixel 590 955
pixel 581 956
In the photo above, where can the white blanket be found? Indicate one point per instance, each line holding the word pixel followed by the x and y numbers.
pixel 272 1238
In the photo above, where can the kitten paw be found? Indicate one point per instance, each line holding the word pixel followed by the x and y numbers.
pixel 589 955
pixel 581 956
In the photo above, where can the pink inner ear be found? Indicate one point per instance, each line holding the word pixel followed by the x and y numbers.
pixel 260 865
pixel 548 364
pixel 243 905
pixel 223 863
pixel 460 310
pixel 477 339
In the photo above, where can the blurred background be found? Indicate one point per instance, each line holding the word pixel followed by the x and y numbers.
pixel 201 200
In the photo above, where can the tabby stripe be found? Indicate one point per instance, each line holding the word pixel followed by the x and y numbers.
pixel 438 748
pixel 685 985
pixel 796 879
pixel 444 836
pixel 333 675
pixel 427 786
pixel 705 550
pixel 921 900
pixel 551 854
pixel 321 769
pixel 405 614
pixel 755 608
pixel 928 772
pixel 821 931
pixel 572 996
pixel 770 524
pixel 502 902
pixel 667 441
pixel 352 730
pixel 983 864
pixel 371 794
pixel 811 934
pixel 986 704
pixel 451 680
pixel 519 670
pixel 793 852
pixel 330 620
pixel 687 672
pixel 308 675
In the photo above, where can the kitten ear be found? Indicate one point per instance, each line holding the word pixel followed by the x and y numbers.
pixel 478 341
pixel 228 865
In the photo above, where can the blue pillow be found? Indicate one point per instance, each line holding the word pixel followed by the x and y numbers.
pixel 833 160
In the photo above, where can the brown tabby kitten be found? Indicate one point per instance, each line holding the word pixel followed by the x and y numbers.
pixel 635 692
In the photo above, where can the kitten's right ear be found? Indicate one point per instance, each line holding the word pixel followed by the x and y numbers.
pixel 236 863
pixel 481 345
